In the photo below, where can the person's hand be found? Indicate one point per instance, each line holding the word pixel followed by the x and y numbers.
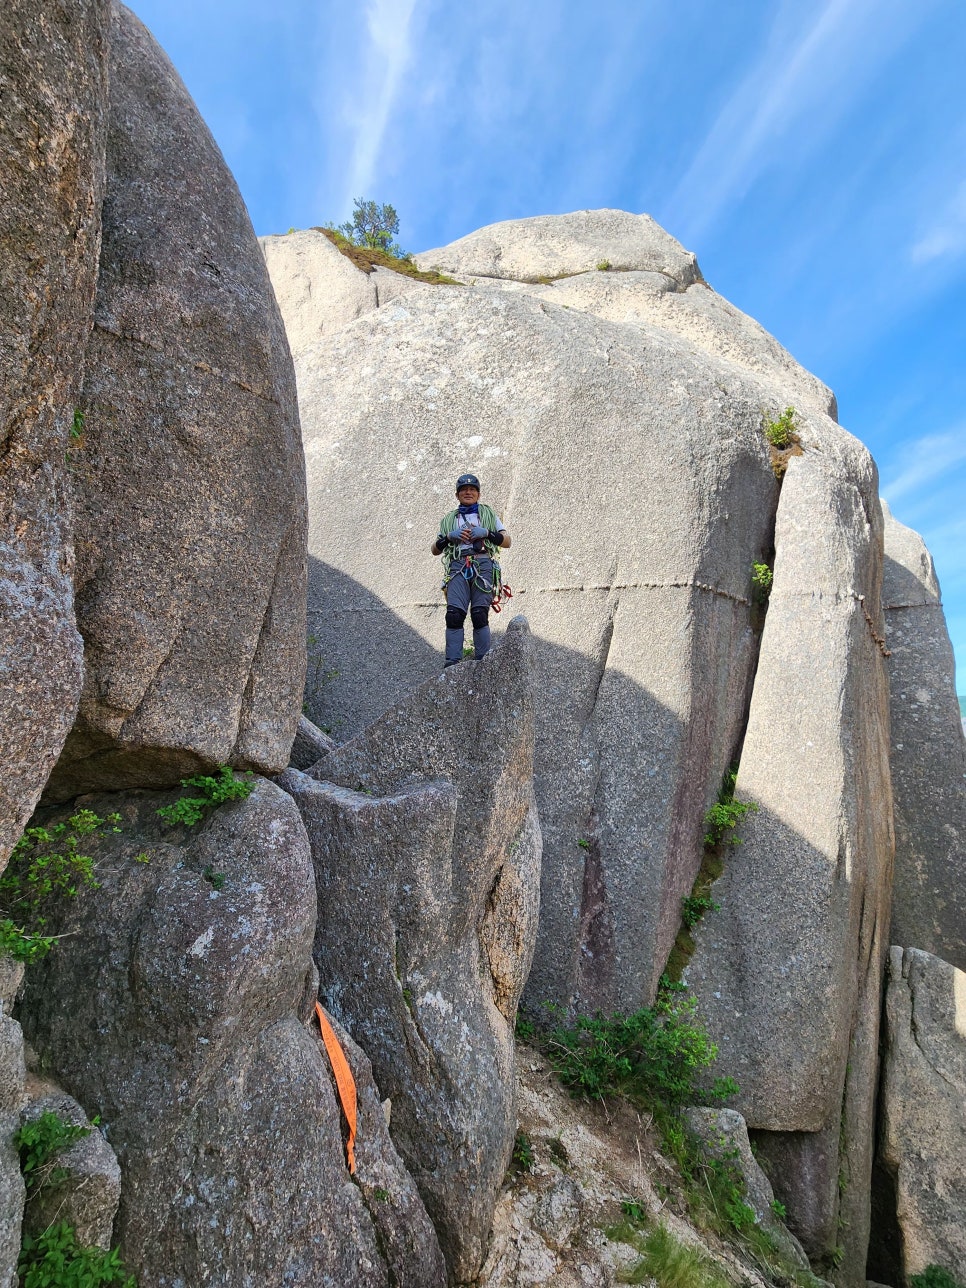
pixel 456 536
pixel 479 533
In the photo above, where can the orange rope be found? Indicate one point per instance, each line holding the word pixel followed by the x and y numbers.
pixel 344 1081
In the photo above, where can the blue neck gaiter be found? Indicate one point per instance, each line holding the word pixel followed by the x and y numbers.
pixel 470 509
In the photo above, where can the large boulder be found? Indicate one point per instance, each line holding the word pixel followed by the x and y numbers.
pixel 626 456
pixel 788 968
pixel 177 1009
pixel 923 1138
pixel 188 489
pixel 427 855
pixel 53 88
pixel 526 250
pixel 928 754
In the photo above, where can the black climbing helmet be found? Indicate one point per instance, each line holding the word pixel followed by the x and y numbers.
pixel 468 480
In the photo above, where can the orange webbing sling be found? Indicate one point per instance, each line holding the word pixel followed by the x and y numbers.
pixel 343 1080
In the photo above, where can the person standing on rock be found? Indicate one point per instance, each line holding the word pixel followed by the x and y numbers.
pixel 468 540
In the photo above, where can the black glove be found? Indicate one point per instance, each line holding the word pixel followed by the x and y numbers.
pixel 496 536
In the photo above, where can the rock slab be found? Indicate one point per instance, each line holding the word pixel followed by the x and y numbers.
pixel 923 1140
pixel 788 969
pixel 192 964
pixel 53 85
pixel 189 483
pixel 928 754
pixel 427 856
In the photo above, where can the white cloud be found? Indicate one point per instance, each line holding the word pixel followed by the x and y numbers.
pixel 815 62
pixel 922 462
pixel 947 236
pixel 387 54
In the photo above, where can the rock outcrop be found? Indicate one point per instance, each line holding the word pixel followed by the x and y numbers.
pixel 427 856
pixel 305 264
pixel 788 969
pixel 190 519
pixel 81 1184
pixel 192 965
pixel 54 94
pixel 924 1109
pixel 645 647
pixel 928 754
pixel 553 246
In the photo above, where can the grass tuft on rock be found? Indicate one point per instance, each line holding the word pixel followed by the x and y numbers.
pixel 371 257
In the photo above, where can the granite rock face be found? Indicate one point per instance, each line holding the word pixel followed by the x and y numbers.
pixel 923 1140
pixel 928 754
pixel 305 266
pixel 192 964
pixel 525 250
pixel 427 855
pixel 87 1194
pixel 642 438
pixel 188 485
pixel 788 970
pixel 54 92
pixel 12 1077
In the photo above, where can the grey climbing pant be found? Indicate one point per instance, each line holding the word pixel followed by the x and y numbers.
pixel 464 596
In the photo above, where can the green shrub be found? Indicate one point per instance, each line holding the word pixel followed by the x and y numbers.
pixel 39 1141
pixel 781 433
pixel 934 1277
pixel 761 579
pixel 56 1260
pixel 215 789
pixel 726 813
pixel 47 863
pixel 652 1055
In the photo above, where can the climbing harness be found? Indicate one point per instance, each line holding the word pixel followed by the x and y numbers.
pixel 465 566
pixel 344 1081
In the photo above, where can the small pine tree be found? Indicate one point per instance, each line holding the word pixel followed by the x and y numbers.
pixel 374 226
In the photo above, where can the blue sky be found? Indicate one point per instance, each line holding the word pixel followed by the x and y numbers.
pixel 811 152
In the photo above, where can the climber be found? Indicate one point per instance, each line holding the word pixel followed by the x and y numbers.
pixel 469 537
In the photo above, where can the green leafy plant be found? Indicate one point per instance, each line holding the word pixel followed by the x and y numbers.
pixel 56 1260
pixel 213 789
pixel 694 906
pixel 726 813
pixel 381 1194
pixel 779 1209
pixel 781 433
pixel 524 1028
pixel 39 1141
pixel 47 863
pixel 633 1211
pixel 934 1277
pixel 522 1157
pixel 761 580
pixel 215 879
pixel 583 843
pixel 652 1055
pixel 603 265
pixel 76 430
